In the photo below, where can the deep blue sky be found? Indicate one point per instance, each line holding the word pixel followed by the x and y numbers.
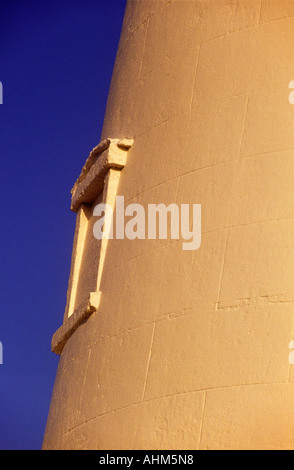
pixel 56 62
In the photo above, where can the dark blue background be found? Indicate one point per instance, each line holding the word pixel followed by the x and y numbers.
pixel 56 62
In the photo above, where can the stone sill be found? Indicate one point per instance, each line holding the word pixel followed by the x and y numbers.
pixel 70 325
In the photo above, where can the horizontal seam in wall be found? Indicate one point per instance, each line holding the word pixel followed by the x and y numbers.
pixel 171 396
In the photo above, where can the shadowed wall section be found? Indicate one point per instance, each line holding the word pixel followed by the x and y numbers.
pixel 189 349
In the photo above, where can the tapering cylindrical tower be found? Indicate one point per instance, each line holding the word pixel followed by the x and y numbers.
pixel 170 348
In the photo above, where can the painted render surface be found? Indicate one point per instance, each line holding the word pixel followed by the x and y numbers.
pixel 188 349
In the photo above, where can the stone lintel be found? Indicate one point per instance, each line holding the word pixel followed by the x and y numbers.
pixel 110 153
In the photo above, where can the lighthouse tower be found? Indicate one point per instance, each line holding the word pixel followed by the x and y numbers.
pixel 169 348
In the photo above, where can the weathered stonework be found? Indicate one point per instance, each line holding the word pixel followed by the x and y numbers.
pixel 100 175
pixel 188 350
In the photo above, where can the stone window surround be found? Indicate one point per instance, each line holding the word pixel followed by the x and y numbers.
pixel 100 174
